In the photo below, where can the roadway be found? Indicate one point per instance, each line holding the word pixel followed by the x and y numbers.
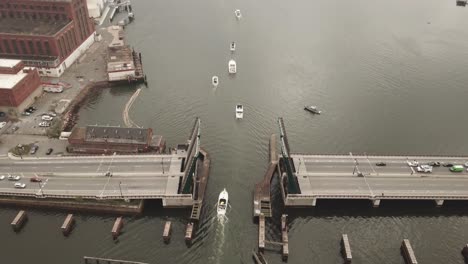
pixel 325 175
pixel 156 175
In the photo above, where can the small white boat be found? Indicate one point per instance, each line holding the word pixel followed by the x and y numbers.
pixel 313 109
pixel 215 81
pixel 238 14
pixel 239 111
pixel 232 66
pixel 233 46
pixel 222 203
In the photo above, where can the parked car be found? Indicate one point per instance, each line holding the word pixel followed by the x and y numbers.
pixel 34 149
pixel 413 163
pixel 424 168
pixel 14 178
pixel 44 124
pixel 20 185
pixel 434 164
pixel 49 151
pixel 47 118
pixel 52 114
pixel 35 179
pixel 456 168
pixel 381 164
pixel 26 113
pixel 2 114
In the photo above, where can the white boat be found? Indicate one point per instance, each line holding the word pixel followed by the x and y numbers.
pixel 222 203
pixel 215 81
pixel 239 111
pixel 232 66
pixel 233 46
pixel 238 14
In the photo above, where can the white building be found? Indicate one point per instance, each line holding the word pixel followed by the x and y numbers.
pixel 95 7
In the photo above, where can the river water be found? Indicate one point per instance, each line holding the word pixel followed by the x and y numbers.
pixel 390 77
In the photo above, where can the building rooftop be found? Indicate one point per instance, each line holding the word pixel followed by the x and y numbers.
pixel 112 134
pixel 31 27
pixel 8 63
pixel 8 81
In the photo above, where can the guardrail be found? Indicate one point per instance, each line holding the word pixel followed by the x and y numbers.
pixel 379 156
pixel 378 197
pixel 97 197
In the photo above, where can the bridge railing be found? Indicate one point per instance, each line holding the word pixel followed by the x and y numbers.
pixel 378 197
pixel 96 197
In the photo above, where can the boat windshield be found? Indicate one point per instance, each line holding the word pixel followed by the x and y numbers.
pixel 222 204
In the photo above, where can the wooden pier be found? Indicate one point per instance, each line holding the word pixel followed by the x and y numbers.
pixel 259 258
pixel 408 252
pixel 67 225
pixel 118 224
pixel 167 232
pixel 189 233
pixel 93 260
pixel 346 249
pixel 19 221
pixel 262 196
pixel 261 233
pixel 284 238
pixel 203 171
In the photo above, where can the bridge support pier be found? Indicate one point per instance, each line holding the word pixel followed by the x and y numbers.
pixel 376 203
pixel 439 203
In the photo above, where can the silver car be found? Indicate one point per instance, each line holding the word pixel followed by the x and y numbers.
pixel 424 168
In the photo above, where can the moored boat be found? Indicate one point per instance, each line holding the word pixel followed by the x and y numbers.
pixel 313 109
pixel 232 67
pixel 215 81
pixel 239 111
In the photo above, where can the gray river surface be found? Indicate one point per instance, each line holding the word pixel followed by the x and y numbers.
pixel 390 76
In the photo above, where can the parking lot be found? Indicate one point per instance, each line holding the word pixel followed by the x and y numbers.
pixel 10 141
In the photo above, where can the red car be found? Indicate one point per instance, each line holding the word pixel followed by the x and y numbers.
pixel 36 179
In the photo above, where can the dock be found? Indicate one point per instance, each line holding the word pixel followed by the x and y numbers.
pixel 346 249
pixel 284 238
pixel 309 178
pixel 19 221
pixel 67 225
pixel 258 257
pixel 167 232
pixel 118 224
pixel 94 260
pixel 408 252
pixel 261 233
pixel 262 195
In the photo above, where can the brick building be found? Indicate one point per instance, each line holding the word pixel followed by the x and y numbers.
pixel 19 86
pixel 47 34
pixel 110 139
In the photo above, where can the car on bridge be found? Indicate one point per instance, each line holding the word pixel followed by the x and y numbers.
pixel 434 164
pixel 35 179
pixel 456 168
pixel 380 164
pixel 14 178
pixel 424 168
pixel 413 163
pixel 20 185
pixel 2 177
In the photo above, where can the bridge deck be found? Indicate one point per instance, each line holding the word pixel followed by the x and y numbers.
pixel 336 177
pixel 142 176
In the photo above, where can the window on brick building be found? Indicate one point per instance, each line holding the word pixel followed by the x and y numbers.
pixel 7 46
pixel 15 46
pixel 47 48
pixel 39 47
pixel 23 47
pixel 31 46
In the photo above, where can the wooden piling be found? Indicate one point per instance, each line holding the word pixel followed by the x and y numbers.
pixel 118 224
pixel 188 233
pixel 408 252
pixel 346 249
pixel 261 233
pixel 284 237
pixel 67 225
pixel 19 220
pixel 167 232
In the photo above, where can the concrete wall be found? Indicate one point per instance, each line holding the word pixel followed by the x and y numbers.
pixel 120 75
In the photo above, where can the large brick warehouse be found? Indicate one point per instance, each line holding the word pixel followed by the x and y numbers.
pixel 47 34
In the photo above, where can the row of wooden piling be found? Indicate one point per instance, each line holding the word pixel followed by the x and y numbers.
pixel 67 226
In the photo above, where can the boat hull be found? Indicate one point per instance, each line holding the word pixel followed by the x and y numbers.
pixel 223 200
